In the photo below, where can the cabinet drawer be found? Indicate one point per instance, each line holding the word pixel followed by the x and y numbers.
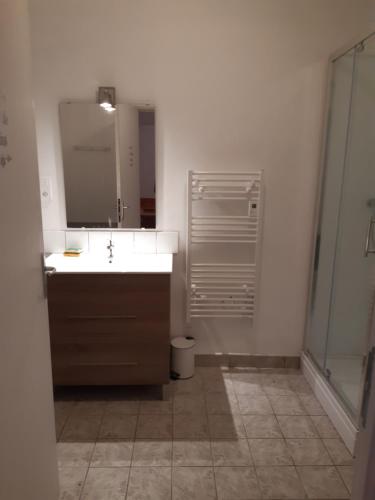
pixel 93 353
pixel 95 341
pixel 111 374
pixel 104 329
pixel 143 296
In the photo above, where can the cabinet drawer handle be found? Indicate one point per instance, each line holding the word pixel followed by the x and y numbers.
pixel 108 316
pixel 98 363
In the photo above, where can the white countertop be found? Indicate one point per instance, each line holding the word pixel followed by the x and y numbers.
pixel 127 263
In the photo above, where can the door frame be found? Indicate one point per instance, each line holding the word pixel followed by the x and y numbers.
pixel 364 464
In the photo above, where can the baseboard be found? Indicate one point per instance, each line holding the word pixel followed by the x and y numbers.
pixel 255 361
pixel 329 401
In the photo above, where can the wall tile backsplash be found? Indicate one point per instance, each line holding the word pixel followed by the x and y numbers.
pixel 77 239
pixel 98 242
pixel 145 242
pixel 54 241
pixel 167 242
pixel 123 241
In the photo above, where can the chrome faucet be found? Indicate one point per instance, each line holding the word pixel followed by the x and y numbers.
pixel 110 247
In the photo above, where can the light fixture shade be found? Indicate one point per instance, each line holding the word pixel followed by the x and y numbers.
pixel 107 98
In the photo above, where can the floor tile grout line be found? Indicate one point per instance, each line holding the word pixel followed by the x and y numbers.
pixel 172 423
pixel 69 414
pixel 300 480
pixel 322 466
pixel 213 469
pixel 88 467
pixel 289 452
pixel 255 471
pixel 212 456
pixel 269 466
pixel 258 480
pixel 173 394
pixel 294 461
pixel 129 472
pixel 62 428
pixel 172 474
pixel 330 454
pixel 92 453
pixel 251 452
pixel 342 480
pixel 83 483
pixel 127 482
pixel 215 485
pixel 132 453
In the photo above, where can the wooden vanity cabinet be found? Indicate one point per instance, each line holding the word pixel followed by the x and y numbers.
pixel 109 329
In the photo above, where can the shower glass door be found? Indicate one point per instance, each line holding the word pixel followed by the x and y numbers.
pixel 341 84
pixel 352 290
pixel 344 274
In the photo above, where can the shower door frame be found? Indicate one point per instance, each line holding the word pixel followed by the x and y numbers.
pixel 318 212
pixel 364 465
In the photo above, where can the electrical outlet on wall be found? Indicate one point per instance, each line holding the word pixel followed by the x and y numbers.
pixel 46 190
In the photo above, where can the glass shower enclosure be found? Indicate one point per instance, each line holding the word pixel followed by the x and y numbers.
pixel 344 263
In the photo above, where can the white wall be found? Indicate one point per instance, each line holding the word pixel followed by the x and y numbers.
pixel 237 85
pixel 28 468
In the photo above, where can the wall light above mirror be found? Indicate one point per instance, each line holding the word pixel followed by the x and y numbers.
pixel 107 98
pixel 109 163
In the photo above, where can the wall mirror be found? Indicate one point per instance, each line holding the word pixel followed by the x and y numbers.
pixel 109 165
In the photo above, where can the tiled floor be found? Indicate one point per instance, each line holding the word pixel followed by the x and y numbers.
pixel 226 434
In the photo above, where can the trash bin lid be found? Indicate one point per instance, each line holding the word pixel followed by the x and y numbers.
pixel 182 343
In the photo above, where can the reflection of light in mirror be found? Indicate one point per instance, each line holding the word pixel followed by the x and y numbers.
pixel 107 106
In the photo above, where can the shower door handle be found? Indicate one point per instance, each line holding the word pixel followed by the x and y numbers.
pixel 367 386
pixel 369 237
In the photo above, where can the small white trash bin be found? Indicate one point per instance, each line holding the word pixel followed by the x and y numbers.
pixel 183 356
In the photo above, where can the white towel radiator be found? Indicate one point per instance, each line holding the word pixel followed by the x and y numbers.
pixel 223 244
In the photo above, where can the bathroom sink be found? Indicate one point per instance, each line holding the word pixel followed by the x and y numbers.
pixel 127 263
